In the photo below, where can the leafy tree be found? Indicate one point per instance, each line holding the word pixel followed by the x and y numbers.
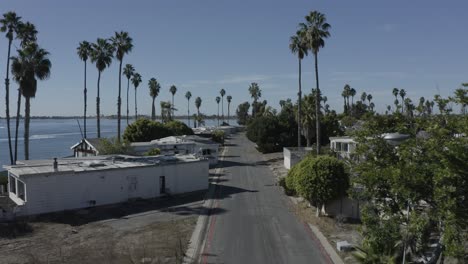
pixel 255 93
pixel 122 43
pixel 144 130
pixel 298 46
pixel 9 24
pixel 83 51
pixel 166 112
pixel 198 102
pixel 136 80
pixel 178 128
pixel 229 99
pixel 287 124
pixel 128 71
pixel 32 62
pixel 154 88
pixel 315 31
pixel 101 54
pixel 242 113
pixel 188 95
pixel 153 152
pixel 263 130
pixel 113 146
pixel 461 98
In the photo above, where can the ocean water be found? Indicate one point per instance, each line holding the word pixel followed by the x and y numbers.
pixel 51 138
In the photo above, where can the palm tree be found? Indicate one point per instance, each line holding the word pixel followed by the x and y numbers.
pixel 128 72
pixel 188 95
pixel 83 51
pixel 173 90
pixel 218 99
pixel 229 99
pixel 198 102
pixel 395 92
pixel 122 43
pixel 402 95
pixel 154 88
pixel 136 80
pixel 343 94
pixel 315 31
pixel 101 54
pixel 346 93
pixel 222 92
pixel 255 93
pixel 27 34
pixel 32 62
pixel 299 47
pixel 363 97
pixel 352 92
pixel 9 24
pixel 369 98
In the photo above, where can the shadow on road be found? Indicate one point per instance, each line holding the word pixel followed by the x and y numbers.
pixel 228 163
pixel 223 191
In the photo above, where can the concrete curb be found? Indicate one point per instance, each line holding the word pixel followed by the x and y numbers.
pixel 326 245
pixel 196 243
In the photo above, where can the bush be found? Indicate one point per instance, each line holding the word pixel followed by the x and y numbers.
pixel 153 152
pixel 112 146
pixel 218 136
pixel 144 130
pixel 264 131
pixel 320 179
pixel 178 128
pixel 4 178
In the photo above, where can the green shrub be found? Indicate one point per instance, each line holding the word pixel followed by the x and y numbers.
pixel 112 146
pixel 290 181
pixel 144 130
pixel 153 152
pixel 264 131
pixel 218 136
pixel 178 128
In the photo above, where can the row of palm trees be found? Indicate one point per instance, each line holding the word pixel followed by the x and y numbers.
pixel 30 63
pixel 310 37
pixel 218 99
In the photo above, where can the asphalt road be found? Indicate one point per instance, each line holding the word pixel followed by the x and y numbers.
pixel 252 221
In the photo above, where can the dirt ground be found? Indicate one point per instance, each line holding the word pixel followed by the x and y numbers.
pixel 144 231
pixel 333 230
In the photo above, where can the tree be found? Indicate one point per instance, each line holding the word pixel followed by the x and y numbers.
pixel 255 93
pixel 315 31
pixel 128 71
pixel 263 130
pixel 136 80
pixel 402 95
pixel 242 113
pixel 321 179
pixel 27 34
pixel 83 51
pixel 101 54
pixel 369 98
pixel 173 90
pixel 154 88
pixel 461 98
pixel 166 112
pixel 229 99
pixel 178 128
pixel 122 43
pixel 346 93
pixel 9 24
pixel 298 46
pixel 198 102
pixel 32 62
pixel 222 92
pixel 218 99
pixel 188 95
pixel 352 92
pixel 113 146
pixel 144 130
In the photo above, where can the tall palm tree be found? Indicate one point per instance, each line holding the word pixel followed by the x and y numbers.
pixel 218 99
pixel 255 93
pixel 346 94
pixel 198 102
pixel 128 72
pixel 363 97
pixel 83 51
pixel 352 92
pixel 315 31
pixel 136 80
pixel 345 108
pixel 395 92
pixel 122 43
pixel 188 95
pixel 298 46
pixel 154 88
pixel 229 99
pixel 32 62
pixel 101 54
pixel 369 98
pixel 27 34
pixel 173 90
pixel 402 95
pixel 9 24
pixel 222 92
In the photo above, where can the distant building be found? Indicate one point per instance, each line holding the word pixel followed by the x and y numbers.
pixel 44 186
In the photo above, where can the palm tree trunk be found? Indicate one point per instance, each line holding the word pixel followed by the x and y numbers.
pixel 98 109
pixel 7 100
pixel 128 88
pixel 198 116
pixel 222 108
pixel 229 106
pixel 26 127
pixel 352 104
pixel 317 104
pixel 85 99
pixel 18 113
pixel 218 114
pixel 299 95
pixel 119 102
pixel 172 106
pixel 188 112
pixel 153 110
pixel 136 107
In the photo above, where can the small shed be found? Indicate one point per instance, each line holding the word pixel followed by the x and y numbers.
pixel 294 155
pixel 87 147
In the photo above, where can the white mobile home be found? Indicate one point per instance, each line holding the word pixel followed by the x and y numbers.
pixel 39 187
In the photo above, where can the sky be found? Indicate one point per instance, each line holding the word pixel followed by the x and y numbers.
pixel 203 46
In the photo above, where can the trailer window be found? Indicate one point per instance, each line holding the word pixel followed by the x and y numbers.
pixel 21 192
pixel 12 182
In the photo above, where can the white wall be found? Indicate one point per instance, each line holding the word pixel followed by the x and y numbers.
pixel 58 192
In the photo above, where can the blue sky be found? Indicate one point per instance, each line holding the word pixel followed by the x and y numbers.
pixel 205 45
